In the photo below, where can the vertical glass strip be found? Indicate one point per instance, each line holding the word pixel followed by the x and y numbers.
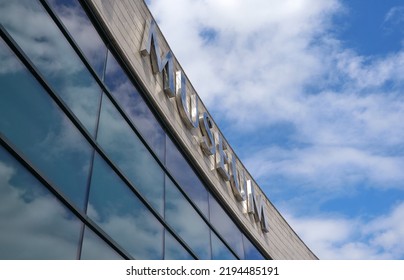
pixel 117 210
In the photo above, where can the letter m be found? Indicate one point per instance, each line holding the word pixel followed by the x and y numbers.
pixel 160 63
pixel 256 206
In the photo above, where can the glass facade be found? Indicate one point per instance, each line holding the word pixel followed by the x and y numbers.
pixel 34 224
pixel 86 167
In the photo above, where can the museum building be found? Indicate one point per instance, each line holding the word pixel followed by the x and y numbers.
pixel 107 151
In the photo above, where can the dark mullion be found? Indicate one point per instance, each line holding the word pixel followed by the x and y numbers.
pixel 90 175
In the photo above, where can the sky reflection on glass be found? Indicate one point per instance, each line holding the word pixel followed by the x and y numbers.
pixel 186 177
pixel 134 106
pixel 226 227
pixel 43 133
pixel 186 221
pixel 251 252
pixel 117 210
pixel 173 250
pixel 33 223
pixel 38 36
pixel 219 250
pixel 80 27
pixel 94 248
pixel 122 145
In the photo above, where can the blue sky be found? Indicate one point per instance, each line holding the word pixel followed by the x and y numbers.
pixel 310 95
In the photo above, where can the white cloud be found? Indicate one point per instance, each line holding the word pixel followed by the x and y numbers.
pixel 262 58
pixel 328 169
pixel 343 238
pixel 388 231
pixel 363 72
pixel 258 46
pixel 395 15
pixel 280 62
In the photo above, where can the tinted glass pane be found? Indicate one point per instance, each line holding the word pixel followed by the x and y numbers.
pixel 173 250
pixel 135 107
pixel 37 35
pixel 33 223
pixel 79 26
pixel 116 209
pixel 124 148
pixel 94 248
pixel 186 221
pixel 251 252
pixel 186 177
pixel 42 132
pixel 226 227
pixel 219 250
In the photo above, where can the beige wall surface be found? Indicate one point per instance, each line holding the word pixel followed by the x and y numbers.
pixel 125 23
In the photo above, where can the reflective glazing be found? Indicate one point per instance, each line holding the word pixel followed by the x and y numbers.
pixel 226 227
pixel 94 248
pixel 134 106
pixel 125 149
pixel 38 36
pixel 186 177
pixel 82 30
pixel 118 211
pixel 173 250
pixel 33 223
pixel 42 132
pixel 186 221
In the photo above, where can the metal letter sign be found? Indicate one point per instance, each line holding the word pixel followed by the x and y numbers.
pixel 187 105
pixel 208 140
pixel 188 110
pixel 166 65
pixel 237 183
pixel 222 160
pixel 256 206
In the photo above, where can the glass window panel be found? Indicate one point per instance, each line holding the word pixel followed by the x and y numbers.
pixel 38 128
pixel 133 104
pixel 226 227
pixel 183 218
pixel 219 250
pixel 186 177
pixel 33 223
pixel 38 36
pixel 94 248
pixel 126 150
pixel 117 210
pixel 173 250
pixel 251 252
pixel 80 27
